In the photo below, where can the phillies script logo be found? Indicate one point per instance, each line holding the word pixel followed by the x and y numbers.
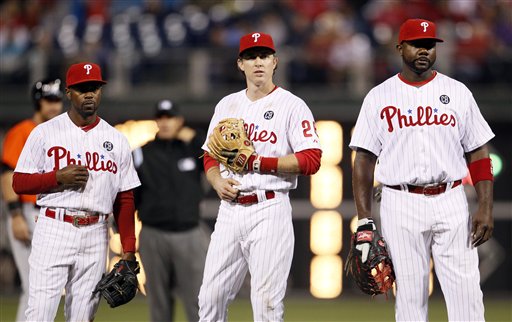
pixel 423 116
pixel 93 161
pixel 263 136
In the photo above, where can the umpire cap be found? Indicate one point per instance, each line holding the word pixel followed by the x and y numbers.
pixel 166 108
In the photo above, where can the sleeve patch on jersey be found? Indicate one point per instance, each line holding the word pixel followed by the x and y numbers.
pixel 108 145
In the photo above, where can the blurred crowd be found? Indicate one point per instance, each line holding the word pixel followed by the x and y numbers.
pixel 334 43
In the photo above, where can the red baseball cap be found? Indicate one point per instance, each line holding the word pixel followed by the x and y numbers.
pixel 82 73
pixel 413 29
pixel 256 39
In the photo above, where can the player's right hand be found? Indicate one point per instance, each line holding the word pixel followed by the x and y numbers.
pixel 19 228
pixel 73 176
pixel 225 188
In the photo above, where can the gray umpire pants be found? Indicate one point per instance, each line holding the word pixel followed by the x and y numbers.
pixel 174 263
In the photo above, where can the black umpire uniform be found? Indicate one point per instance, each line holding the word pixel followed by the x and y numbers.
pixel 172 243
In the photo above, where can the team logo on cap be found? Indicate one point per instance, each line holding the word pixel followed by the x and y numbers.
pixel 256 35
pixel 108 145
pixel 88 67
pixel 444 99
pixel 424 24
pixel 268 115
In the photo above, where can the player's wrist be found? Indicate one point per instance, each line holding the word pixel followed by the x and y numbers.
pixel 14 208
pixel 365 224
pixel 260 164
pixel 129 256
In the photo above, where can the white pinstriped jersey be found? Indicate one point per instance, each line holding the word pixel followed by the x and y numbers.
pixel 105 151
pixel 420 134
pixel 277 124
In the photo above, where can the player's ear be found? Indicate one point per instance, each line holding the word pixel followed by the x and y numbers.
pixel 399 47
pixel 240 64
pixel 180 120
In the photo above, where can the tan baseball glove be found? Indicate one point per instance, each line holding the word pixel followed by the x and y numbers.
pixel 229 144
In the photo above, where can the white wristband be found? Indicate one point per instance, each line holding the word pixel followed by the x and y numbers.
pixel 256 164
pixel 366 221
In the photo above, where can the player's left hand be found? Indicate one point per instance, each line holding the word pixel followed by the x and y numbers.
pixel 368 261
pixel 482 227
pixel 363 245
pixel 120 285
pixel 229 144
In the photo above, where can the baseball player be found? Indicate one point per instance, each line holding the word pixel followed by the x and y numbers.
pixel 47 98
pixel 425 129
pixel 82 170
pixel 254 229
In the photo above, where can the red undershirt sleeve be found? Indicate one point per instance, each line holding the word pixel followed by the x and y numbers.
pixel 209 162
pixel 309 161
pixel 124 214
pixel 34 183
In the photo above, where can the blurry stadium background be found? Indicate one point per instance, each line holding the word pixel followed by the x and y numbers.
pixel 331 53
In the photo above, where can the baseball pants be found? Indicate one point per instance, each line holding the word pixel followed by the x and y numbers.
pixel 21 252
pixel 65 257
pixel 257 238
pixel 417 227
pixel 173 260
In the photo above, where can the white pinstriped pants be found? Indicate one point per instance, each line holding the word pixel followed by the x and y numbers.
pixel 417 226
pixel 21 252
pixel 64 256
pixel 258 238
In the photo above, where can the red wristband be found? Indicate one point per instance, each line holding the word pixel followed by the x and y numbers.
pixel 481 170
pixel 260 164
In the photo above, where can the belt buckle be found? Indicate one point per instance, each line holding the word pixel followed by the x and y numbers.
pixel 76 221
pixel 434 187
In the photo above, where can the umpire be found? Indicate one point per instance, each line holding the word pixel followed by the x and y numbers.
pixel 172 243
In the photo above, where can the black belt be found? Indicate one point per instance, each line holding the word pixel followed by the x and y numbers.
pixel 427 190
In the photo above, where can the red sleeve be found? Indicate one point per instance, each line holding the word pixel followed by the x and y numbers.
pixel 209 162
pixel 34 183
pixel 309 161
pixel 124 214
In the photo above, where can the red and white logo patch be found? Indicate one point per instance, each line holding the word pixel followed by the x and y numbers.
pixel 365 236
pixel 241 160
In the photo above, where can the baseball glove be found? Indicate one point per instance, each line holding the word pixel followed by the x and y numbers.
pixel 229 144
pixel 368 261
pixel 120 285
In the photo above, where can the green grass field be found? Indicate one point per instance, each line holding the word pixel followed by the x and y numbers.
pixel 298 308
